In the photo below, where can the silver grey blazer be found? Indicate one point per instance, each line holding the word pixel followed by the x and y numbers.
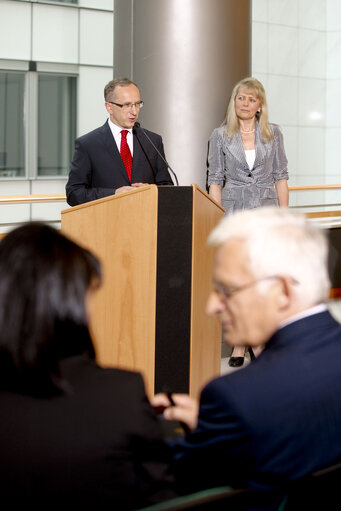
pixel 245 188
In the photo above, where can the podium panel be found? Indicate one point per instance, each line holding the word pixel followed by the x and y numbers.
pixel 149 314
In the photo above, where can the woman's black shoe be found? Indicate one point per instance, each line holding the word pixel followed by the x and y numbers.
pixel 251 353
pixel 236 361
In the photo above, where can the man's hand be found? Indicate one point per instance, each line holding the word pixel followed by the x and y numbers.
pixel 185 409
pixel 128 188
pixel 138 185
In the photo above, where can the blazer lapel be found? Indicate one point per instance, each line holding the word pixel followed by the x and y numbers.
pixel 235 146
pixel 259 146
pixel 237 150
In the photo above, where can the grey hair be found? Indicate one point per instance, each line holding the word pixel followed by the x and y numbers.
pixel 281 242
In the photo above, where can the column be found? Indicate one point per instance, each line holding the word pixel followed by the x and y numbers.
pixel 185 56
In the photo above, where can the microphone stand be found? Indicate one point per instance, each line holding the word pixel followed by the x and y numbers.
pixel 138 126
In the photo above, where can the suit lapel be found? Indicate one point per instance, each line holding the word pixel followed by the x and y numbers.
pixel 141 158
pixel 112 149
pixel 136 156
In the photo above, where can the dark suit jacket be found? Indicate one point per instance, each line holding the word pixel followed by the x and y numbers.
pixel 99 444
pixel 97 168
pixel 275 420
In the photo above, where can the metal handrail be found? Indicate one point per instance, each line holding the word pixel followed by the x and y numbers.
pixel 314 187
pixel 61 197
pixel 32 199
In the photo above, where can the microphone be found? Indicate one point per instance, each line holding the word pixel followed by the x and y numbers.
pixel 138 126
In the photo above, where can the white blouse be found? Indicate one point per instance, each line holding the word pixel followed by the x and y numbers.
pixel 250 155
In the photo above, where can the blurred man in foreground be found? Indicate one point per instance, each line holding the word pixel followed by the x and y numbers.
pixel 279 418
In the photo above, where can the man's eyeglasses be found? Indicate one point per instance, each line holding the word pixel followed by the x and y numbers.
pixel 128 106
pixel 227 292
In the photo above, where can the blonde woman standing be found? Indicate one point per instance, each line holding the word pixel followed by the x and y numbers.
pixel 247 165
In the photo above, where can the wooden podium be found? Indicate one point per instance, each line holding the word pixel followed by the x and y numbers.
pixel 149 314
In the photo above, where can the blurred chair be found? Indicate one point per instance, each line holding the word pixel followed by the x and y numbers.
pixel 320 491
pixel 213 499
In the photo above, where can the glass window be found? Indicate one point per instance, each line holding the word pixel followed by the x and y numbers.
pixel 12 140
pixel 56 124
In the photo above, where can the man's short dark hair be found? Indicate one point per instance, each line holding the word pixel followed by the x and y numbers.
pixel 110 87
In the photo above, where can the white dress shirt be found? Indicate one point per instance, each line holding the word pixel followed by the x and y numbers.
pixel 116 132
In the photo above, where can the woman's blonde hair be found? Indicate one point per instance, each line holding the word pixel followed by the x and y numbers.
pixel 250 85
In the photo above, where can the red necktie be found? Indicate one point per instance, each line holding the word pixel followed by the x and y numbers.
pixel 125 153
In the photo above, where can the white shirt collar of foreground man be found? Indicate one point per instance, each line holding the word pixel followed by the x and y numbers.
pixel 316 309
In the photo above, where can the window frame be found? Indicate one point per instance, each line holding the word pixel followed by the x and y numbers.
pixel 32 71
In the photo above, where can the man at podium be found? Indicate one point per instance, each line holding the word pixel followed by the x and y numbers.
pixel 119 155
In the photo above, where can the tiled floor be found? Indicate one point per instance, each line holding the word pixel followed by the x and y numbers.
pixel 335 309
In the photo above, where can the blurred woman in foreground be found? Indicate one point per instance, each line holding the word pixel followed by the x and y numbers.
pixel 70 431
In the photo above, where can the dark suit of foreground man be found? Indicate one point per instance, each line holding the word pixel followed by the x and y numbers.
pixel 97 169
pixel 279 418
pixel 71 433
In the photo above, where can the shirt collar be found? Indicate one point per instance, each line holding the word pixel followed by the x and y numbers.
pixel 116 130
pixel 316 309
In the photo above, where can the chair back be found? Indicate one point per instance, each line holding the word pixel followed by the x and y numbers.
pixel 319 491
pixel 213 499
